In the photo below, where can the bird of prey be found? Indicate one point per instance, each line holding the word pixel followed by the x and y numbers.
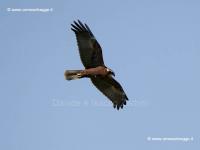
pixel 91 56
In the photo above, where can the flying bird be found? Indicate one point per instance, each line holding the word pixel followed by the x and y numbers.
pixel 91 56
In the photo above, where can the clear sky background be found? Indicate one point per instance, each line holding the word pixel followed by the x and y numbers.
pixel 154 49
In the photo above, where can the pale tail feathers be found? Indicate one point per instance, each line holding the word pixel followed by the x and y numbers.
pixel 72 74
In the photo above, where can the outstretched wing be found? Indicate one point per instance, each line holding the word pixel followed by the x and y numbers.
pixel 111 89
pixel 89 49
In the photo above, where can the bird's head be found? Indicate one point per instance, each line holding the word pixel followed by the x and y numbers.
pixel 110 71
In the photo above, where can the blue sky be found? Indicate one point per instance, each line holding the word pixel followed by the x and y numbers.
pixel 154 49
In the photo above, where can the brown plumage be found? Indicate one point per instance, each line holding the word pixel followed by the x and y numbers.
pixel 91 56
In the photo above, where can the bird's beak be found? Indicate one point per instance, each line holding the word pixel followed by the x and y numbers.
pixel 112 72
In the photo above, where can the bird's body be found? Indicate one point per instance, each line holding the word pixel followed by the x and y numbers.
pixel 91 56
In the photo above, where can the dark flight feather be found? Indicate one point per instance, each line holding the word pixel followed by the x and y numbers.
pixel 111 89
pixel 89 49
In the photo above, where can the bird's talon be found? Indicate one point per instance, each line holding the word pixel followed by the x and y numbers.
pixel 79 75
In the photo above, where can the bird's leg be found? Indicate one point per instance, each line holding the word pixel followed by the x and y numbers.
pixel 100 70
pixel 82 74
pixel 73 74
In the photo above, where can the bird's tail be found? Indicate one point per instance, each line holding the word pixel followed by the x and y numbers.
pixel 72 74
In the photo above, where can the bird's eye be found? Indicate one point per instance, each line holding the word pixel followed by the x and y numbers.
pixel 107 69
